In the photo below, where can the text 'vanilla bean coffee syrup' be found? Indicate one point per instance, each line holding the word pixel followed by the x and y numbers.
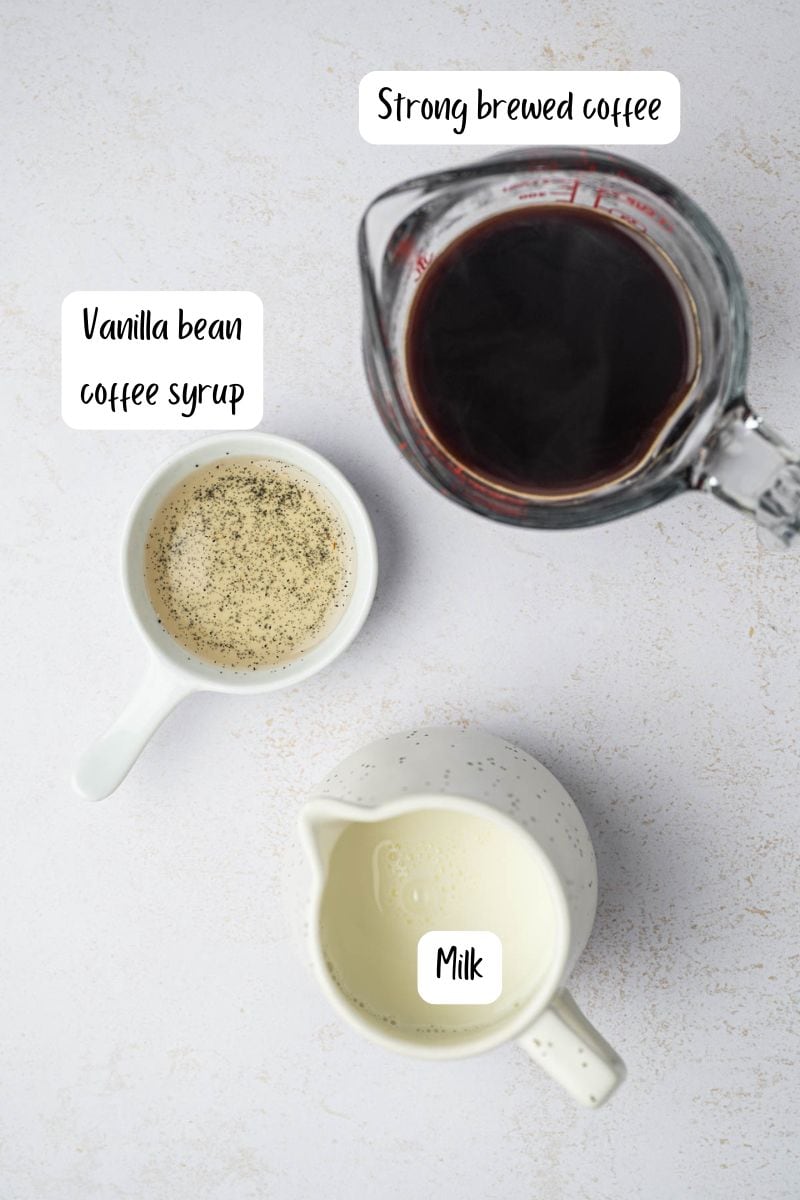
pixel 549 349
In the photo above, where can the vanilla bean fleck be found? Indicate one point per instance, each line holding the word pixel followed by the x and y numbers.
pixel 247 563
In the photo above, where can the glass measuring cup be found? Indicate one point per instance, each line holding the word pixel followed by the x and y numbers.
pixel 716 443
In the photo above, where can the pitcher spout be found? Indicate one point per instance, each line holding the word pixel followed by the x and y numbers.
pixel 321 824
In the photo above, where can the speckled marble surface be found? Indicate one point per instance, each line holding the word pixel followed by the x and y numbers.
pixel 160 1035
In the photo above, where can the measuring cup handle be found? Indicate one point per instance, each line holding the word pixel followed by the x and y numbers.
pixel 749 466
pixel 573 1053
pixel 105 764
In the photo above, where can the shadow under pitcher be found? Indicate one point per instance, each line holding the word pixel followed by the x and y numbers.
pixel 558 337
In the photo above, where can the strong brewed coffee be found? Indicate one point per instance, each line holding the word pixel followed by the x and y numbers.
pixel 548 350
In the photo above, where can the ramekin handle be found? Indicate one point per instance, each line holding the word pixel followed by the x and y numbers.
pixel 102 767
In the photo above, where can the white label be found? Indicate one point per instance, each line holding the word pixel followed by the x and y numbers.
pixel 487 108
pixel 162 360
pixel 459 967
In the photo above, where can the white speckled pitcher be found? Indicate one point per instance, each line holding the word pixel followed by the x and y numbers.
pixel 473 772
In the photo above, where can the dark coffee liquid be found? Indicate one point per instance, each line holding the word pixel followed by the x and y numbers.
pixel 548 348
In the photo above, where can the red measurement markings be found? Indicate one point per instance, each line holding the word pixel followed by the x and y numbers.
pixel 601 198
pixel 601 194
pixel 403 248
pixel 647 210
pixel 557 188
pixel 622 203
pixel 406 248
pixel 526 183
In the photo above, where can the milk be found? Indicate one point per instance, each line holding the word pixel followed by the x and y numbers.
pixel 391 881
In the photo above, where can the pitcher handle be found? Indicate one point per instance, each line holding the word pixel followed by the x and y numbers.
pixel 749 466
pixel 571 1051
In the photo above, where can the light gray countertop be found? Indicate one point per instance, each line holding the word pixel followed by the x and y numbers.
pixel 160 1035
